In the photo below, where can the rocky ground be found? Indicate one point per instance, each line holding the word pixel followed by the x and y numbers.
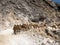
pixel 29 22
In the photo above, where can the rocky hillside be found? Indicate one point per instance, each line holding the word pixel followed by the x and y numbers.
pixel 37 22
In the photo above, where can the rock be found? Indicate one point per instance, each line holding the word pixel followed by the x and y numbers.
pixel 34 22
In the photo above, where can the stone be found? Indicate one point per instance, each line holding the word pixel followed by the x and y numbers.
pixel 29 22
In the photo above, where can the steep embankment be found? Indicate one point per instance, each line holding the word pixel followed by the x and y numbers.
pixel 38 19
